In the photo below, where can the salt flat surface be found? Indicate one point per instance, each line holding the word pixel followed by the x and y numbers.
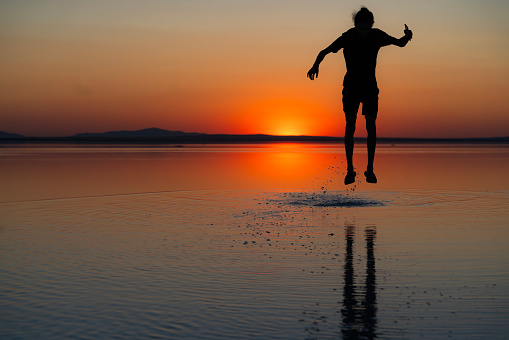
pixel 317 262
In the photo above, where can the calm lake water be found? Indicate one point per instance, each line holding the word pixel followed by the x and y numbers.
pixel 253 242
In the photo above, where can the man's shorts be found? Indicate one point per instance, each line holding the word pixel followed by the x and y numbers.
pixel 352 98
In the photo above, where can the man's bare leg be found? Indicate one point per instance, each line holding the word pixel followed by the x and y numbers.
pixel 349 143
pixel 371 144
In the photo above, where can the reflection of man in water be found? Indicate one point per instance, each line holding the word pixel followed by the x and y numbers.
pixel 360 47
pixel 359 303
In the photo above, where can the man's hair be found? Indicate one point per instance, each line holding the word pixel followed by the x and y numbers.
pixel 363 15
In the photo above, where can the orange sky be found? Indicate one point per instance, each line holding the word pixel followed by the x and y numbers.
pixel 240 67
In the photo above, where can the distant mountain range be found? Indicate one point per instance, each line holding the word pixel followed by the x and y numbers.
pixel 160 135
pixel 7 135
pixel 145 133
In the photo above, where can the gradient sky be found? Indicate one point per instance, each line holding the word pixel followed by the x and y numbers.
pixel 233 66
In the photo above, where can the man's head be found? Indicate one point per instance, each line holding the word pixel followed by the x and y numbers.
pixel 363 20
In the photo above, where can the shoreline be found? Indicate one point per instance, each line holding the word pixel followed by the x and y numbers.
pixel 250 139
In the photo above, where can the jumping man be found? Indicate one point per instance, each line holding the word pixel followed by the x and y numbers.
pixel 360 47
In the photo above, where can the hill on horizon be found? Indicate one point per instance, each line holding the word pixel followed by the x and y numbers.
pixel 144 133
pixel 10 135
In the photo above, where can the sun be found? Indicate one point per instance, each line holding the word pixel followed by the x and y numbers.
pixel 286 117
pixel 286 130
pixel 288 121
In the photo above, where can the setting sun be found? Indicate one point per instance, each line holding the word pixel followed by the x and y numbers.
pixel 288 122
pixel 285 126
pixel 285 117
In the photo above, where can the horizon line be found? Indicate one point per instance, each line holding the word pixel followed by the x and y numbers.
pixel 178 135
pixel 227 138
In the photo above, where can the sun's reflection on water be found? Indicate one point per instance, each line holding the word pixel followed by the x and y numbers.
pixel 31 172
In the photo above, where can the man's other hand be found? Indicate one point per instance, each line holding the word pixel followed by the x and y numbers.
pixel 313 72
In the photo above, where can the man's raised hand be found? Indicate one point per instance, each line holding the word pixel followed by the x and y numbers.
pixel 408 33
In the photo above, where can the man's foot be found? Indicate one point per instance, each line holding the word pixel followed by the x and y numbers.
pixel 370 176
pixel 350 177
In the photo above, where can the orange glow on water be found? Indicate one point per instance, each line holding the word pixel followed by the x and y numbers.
pixel 56 172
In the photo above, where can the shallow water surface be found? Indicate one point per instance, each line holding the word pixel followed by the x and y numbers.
pixel 308 260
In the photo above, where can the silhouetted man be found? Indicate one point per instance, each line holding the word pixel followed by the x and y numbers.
pixel 360 47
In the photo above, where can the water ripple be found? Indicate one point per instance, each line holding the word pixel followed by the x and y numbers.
pixel 252 265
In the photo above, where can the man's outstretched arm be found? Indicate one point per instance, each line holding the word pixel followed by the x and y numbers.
pixel 313 72
pixel 401 42
pixel 333 48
